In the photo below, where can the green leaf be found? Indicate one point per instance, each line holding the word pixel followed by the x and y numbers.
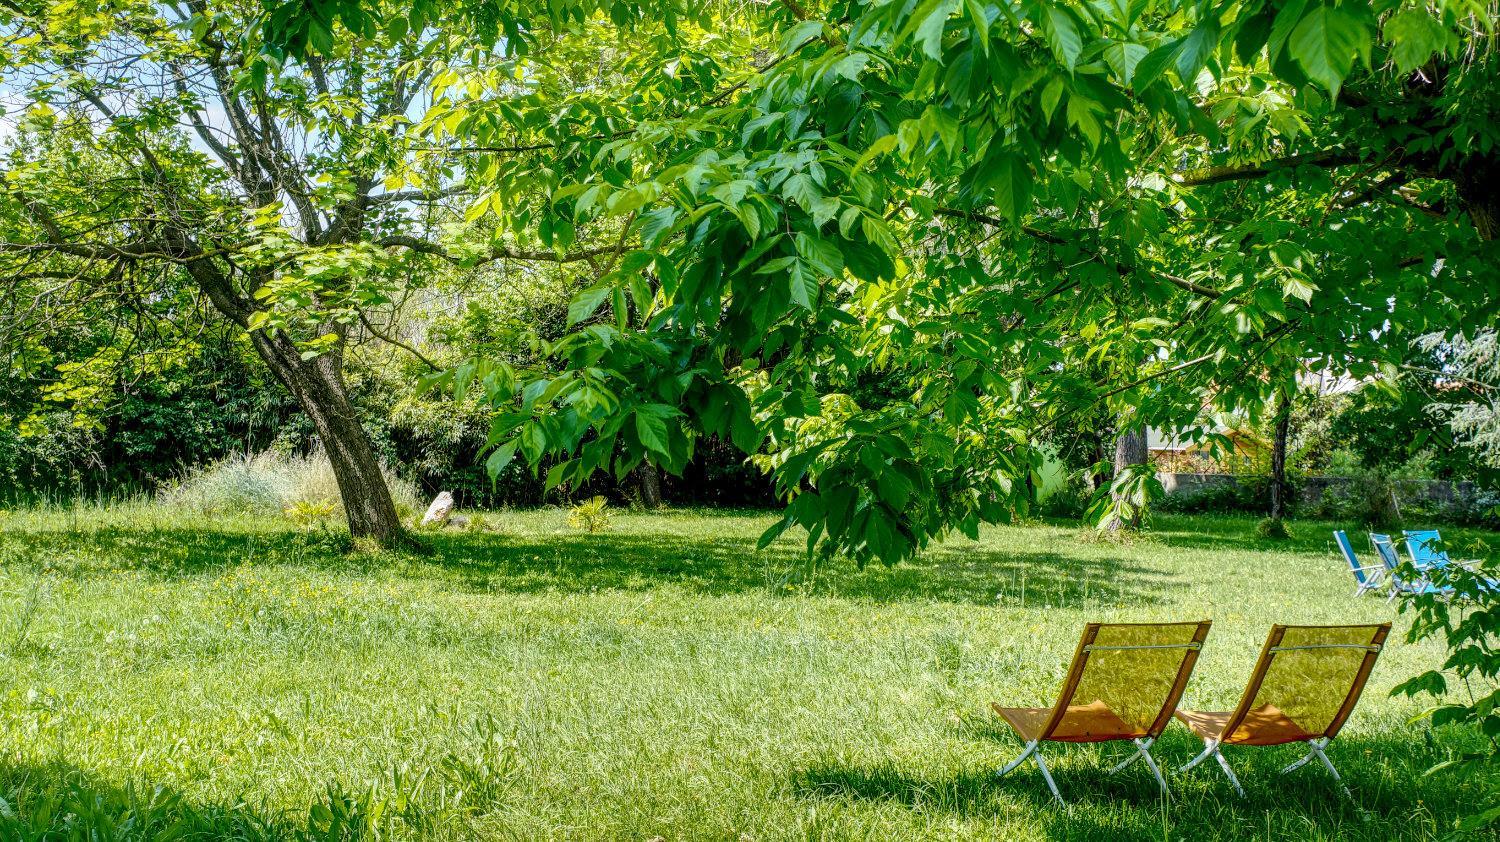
pixel 801 189
pixel 1123 59
pixel 1010 179
pixel 800 34
pixel 501 457
pixel 879 146
pixel 1195 50
pixel 1062 34
pixel 804 285
pixel 1415 35
pixel 586 302
pixel 1326 43
pixel 657 224
pixel 1050 97
pixel 1154 64
pixel 930 32
pixel 651 428
pixel 821 254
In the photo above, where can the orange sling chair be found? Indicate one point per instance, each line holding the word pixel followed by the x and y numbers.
pixel 1124 684
pixel 1303 689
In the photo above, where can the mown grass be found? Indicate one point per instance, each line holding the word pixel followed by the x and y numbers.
pixel 162 673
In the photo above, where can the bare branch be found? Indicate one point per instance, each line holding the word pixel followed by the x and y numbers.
pixel 422 246
pixel 389 340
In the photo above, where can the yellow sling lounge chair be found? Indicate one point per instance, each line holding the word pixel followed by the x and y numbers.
pixel 1303 689
pixel 1125 681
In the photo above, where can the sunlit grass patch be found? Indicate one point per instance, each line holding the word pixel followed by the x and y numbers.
pixel 255 679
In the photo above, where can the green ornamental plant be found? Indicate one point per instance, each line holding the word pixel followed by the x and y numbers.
pixel 590 516
pixel 1467 686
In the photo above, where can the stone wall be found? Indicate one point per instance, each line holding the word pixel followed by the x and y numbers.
pixel 1310 489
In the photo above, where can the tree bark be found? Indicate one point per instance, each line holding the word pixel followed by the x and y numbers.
pixel 1100 479
pixel 318 386
pixel 1278 458
pixel 650 485
pixel 1130 449
pixel 1479 194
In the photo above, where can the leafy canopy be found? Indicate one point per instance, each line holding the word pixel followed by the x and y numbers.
pixel 884 247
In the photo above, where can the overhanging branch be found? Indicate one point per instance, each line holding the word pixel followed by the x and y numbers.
pixel 1240 172
pixel 422 246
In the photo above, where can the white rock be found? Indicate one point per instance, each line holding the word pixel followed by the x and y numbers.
pixel 440 510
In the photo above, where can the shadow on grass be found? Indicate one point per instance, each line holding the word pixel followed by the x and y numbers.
pixel 574 562
pixel 1392 798
pixel 58 801
pixel 1237 532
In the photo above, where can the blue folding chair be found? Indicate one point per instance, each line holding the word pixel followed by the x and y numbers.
pixel 1386 549
pixel 1369 577
pixel 1424 546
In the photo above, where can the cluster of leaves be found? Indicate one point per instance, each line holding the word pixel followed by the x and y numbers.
pixel 890 246
pixel 1467 620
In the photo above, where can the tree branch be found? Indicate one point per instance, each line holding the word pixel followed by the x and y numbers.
pixel 422 246
pixel 398 196
pixel 1058 239
pixel 1239 172
pixel 396 342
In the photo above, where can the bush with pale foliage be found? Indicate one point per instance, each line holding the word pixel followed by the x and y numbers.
pixel 272 483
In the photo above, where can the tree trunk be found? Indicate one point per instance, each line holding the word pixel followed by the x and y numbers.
pixel 1100 479
pixel 1478 183
pixel 318 386
pixel 650 485
pixel 1130 449
pixel 1278 458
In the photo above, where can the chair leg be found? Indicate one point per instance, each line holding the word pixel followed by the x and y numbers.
pixel 1303 762
pixel 1051 784
pixel 1318 746
pixel 1155 770
pixel 1141 746
pixel 1229 773
pixel 1009 767
pixel 1211 749
pixel 1208 749
pixel 1031 751
pixel 1143 752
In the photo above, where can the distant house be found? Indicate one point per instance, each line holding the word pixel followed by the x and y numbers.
pixel 1210 456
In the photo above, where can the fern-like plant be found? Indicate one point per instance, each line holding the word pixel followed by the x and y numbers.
pixel 590 516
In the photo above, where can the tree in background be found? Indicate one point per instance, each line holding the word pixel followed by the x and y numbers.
pixel 1472 365
pixel 167 171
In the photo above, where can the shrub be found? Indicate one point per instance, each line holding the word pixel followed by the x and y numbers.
pixel 1468 622
pixel 1245 494
pixel 304 513
pixel 1070 501
pixel 272 483
pixel 1272 528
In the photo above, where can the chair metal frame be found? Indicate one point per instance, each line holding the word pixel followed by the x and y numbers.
pixel 1212 747
pixel 1143 743
pixel 1369 577
pixel 1385 548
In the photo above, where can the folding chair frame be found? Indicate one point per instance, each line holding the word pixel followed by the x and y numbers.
pixel 1369 577
pixel 1392 563
pixel 1213 747
pixel 1143 744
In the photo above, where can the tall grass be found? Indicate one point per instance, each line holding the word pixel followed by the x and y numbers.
pixel 269 483
pixel 231 677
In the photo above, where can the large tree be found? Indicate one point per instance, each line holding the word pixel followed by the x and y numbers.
pixel 164 162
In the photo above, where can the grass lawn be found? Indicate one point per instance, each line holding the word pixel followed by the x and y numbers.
pixel 659 680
